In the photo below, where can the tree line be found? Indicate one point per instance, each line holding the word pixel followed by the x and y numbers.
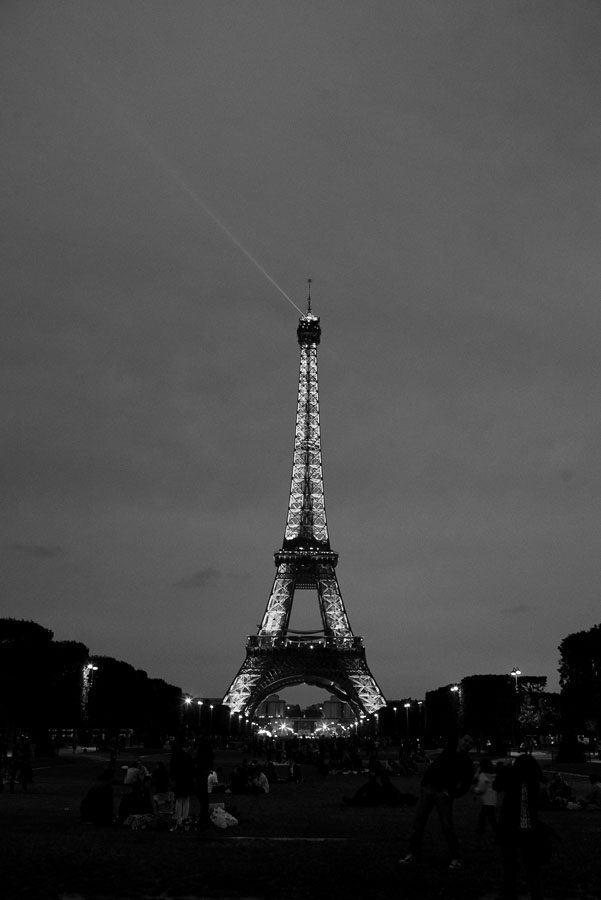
pixel 503 710
pixel 54 692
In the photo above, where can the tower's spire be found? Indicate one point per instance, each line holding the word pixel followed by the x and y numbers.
pixel 309 280
pixel 306 524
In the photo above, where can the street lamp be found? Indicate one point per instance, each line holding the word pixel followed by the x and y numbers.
pixel 456 710
pixel 516 673
pixel 420 724
pixel 199 711
pixel 407 708
pixel 89 670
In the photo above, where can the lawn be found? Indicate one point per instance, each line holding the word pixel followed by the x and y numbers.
pixel 297 842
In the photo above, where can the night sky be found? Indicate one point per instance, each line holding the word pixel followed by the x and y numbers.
pixel 172 174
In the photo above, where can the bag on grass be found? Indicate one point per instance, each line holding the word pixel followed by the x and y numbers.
pixel 222 819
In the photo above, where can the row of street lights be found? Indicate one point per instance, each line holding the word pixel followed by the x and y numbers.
pixel 407 707
pixel 455 689
pixel 190 700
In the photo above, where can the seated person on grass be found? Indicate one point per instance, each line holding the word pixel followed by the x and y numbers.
pixel 97 806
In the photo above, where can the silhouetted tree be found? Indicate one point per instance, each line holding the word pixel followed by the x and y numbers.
pixel 443 714
pixel 66 701
pixel 25 667
pixel 490 708
pixel 580 682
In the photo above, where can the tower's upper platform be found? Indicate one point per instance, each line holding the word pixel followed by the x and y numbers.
pixel 309 329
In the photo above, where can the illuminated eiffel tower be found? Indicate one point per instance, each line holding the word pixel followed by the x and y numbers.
pixel 331 658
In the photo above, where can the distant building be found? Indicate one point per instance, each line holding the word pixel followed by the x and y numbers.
pixel 333 712
pixel 272 707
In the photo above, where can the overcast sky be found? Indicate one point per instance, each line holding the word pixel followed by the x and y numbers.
pixel 435 167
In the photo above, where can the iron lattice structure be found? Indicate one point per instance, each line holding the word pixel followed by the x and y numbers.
pixel 331 658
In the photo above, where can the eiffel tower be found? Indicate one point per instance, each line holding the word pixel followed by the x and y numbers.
pixel 331 658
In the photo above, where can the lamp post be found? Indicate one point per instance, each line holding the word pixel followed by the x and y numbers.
pixel 187 703
pixel 211 719
pixel 407 708
pixel 516 674
pixel 199 702
pixel 394 711
pixel 88 678
pixel 456 691
pixel 86 684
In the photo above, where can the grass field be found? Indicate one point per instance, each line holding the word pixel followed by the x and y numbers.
pixel 297 842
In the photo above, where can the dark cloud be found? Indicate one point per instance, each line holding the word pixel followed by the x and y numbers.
pixel 200 579
pixel 37 550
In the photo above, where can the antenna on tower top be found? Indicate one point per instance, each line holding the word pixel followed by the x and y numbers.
pixel 309 280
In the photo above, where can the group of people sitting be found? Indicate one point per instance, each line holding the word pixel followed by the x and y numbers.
pixel 162 797
pixel 145 794
pixel 159 796
pixel 561 796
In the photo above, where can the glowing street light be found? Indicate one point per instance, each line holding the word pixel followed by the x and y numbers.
pixel 407 708
pixel 516 673
pixel 199 702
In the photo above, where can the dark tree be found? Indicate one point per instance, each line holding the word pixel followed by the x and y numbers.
pixel 580 682
pixel 114 697
pixel 123 699
pixel 25 672
pixel 443 714
pixel 66 708
pixel 490 709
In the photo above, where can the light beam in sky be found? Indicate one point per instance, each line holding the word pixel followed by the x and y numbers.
pixel 124 116
pixel 177 176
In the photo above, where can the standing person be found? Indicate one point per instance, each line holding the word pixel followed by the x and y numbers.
pixel 486 794
pixel 26 771
pixel 20 765
pixel 203 764
pixel 160 779
pixel 448 777
pixel 3 761
pixel 181 770
pixel 593 798
pixel 522 837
